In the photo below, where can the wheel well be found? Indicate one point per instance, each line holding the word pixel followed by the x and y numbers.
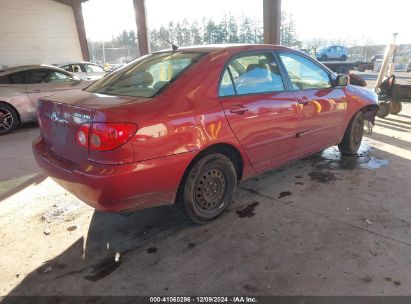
pixel 369 112
pixel 227 150
pixel 11 106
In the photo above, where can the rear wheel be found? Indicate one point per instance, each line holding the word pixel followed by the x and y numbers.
pixel 208 188
pixel 384 110
pixel 353 135
pixel 9 119
pixel 395 107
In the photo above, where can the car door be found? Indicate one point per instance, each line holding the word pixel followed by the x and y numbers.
pixel 260 110
pixel 45 82
pixel 322 106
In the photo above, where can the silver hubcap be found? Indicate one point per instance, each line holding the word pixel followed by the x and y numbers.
pixel 6 120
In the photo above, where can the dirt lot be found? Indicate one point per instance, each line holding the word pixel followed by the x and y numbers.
pixel 325 225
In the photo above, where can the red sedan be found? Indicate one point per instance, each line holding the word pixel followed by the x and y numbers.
pixel 186 126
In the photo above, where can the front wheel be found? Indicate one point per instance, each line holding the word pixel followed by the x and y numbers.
pixel 353 135
pixel 208 188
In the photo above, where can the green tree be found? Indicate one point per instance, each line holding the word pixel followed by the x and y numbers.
pixel 232 30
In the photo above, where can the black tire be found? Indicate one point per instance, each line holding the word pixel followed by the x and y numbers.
pixel 384 110
pixel 343 58
pixel 9 120
pixel 208 188
pixel 353 135
pixel 395 107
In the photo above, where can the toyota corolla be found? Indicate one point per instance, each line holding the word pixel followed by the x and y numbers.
pixel 186 126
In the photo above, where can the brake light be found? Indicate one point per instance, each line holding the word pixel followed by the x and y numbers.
pixel 103 136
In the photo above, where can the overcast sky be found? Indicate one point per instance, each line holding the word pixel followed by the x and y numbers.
pixel 327 19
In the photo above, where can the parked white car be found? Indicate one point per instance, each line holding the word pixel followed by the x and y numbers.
pixel 87 70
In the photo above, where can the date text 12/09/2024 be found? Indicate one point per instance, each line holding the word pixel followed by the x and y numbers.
pixel 238 299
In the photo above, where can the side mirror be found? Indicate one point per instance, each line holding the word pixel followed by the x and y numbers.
pixel 342 80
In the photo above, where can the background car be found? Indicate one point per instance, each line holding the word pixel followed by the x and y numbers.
pixel 184 126
pixel 22 86
pixel 86 70
pixel 332 52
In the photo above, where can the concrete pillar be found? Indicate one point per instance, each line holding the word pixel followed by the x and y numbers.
pixel 272 21
pixel 78 17
pixel 141 22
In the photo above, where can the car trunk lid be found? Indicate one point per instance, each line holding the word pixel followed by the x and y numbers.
pixel 61 116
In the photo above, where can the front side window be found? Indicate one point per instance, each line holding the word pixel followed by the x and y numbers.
pixel 57 77
pixel 303 73
pixel 93 68
pixel 252 74
pixel 146 76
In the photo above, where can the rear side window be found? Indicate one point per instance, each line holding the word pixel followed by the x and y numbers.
pixel 303 73
pixel 67 68
pixel 251 74
pixel 145 77
pixel 15 78
pixel 37 76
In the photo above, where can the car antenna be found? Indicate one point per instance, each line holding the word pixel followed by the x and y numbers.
pixel 173 46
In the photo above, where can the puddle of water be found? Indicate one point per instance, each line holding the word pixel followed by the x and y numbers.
pixel 331 158
pixel 322 177
pixel 248 211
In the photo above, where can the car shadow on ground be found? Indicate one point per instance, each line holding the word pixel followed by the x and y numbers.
pixel 110 238
pixel 114 240
pixel 18 168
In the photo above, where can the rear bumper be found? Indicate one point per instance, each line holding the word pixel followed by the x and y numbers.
pixel 116 187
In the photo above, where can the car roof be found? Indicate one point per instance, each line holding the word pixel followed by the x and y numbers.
pixel 21 68
pixel 210 48
pixel 76 62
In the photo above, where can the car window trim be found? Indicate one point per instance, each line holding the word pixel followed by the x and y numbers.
pixel 252 52
pixel 325 69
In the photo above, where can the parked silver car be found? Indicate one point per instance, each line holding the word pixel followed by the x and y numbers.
pixel 86 70
pixel 22 86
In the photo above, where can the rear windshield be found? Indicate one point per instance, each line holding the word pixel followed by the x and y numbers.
pixel 147 76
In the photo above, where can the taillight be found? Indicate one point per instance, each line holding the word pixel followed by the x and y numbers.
pixel 82 135
pixel 103 136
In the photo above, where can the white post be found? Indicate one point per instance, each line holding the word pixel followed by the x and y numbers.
pixel 388 53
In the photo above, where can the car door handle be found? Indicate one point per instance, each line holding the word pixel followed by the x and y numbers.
pixel 34 91
pixel 239 109
pixel 303 100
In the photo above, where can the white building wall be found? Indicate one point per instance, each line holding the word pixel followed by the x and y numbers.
pixel 37 31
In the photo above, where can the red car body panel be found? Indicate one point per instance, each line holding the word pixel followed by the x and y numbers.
pixel 184 120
